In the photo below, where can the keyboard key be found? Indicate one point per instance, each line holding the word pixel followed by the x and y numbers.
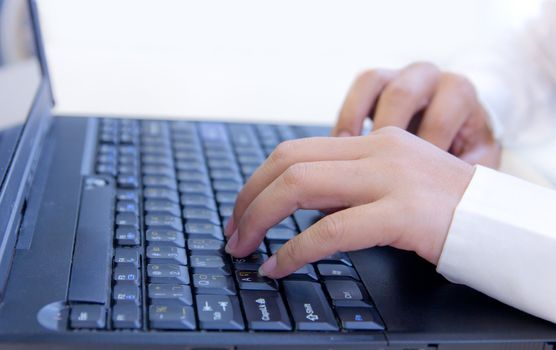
pixel 126 316
pixel 128 236
pixel 128 181
pixel 305 218
pixel 218 154
pixel 213 132
pixel 343 290
pixel 222 164
pixel 201 245
pixel 251 280
pixel 168 237
pixel 164 221
pixel 250 262
pixel 306 271
pixel 126 292
pixel 168 273
pixel 194 188
pixel 198 200
pixel 227 186
pixel 160 193
pixel 128 161
pixel 347 293
pixel 160 181
pixel 209 264
pixel 274 246
pixel 189 165
pixel 127 206
pixel 88 316
pixel 265 310
pixel 201 214
pixel 126 273
pixel 193 176
pixel 213 284
pixel 219 312
pixel 164 316
pixel 226 197
pixel 280 234
pixel 338 258
pixel 127 219
pixel 309 306
pixel 166 254
pixel 106 169
pixel 226 210
pixel 178 293
pixel 220 174
pixel 288 223
pixel 187 156
pixel 359 318
pixel 337 270
pixel 148 159
pixel 162 207
pixel 127 256
pixel 124 195
pixel 160 170
pixel 203 230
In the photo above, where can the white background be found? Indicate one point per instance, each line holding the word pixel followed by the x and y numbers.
pixel 288 60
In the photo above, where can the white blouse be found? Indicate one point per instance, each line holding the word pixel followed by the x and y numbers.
pixel 502 239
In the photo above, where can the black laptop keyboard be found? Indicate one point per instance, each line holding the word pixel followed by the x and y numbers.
pixel 176 186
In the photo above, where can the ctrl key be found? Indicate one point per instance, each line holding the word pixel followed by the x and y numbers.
pixel 168 316
pixel 88 316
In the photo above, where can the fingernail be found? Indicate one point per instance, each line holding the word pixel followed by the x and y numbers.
pixel 344 133
pixel 229 227
pixel 232 243
pixel 268 266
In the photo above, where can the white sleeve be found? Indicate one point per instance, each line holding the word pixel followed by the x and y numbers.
pixel 515 79
pixel 502 242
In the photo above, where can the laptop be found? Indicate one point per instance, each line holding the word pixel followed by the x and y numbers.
pixel 111 238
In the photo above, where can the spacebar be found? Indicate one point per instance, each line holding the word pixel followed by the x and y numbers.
pixel 90 273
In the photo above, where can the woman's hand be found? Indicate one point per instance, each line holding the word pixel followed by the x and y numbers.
pixel 387 188
pixel 452 116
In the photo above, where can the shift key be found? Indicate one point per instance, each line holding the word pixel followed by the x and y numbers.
pixel 309 306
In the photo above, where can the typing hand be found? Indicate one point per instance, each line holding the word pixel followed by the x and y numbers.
pixel 387 188
pixel 453 118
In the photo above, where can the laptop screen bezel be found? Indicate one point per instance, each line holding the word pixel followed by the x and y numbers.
pixel 15 186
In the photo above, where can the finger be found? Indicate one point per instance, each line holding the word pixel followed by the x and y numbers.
pixel 350 229
pixel 405 95
pixel 360 100
pixel 451 106
pixel 287 154
pixel 487 154
pixel 315 185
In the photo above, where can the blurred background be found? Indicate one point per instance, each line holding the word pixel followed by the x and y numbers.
pixel 288 60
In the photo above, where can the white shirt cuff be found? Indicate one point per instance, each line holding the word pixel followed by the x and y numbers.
pixel 502 242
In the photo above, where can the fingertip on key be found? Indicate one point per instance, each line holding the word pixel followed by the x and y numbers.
pixel 232 243
pixel 268 267
pixel 229 229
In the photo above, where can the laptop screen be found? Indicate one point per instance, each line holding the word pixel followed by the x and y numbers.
pixel 20 75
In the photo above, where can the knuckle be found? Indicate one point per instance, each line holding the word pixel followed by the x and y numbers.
pixel 438 125
pixel 462 84
pixel 391 132
pixel 397 92
pixel 290 251
pixel 331 231
pixel 424 65
pixel 295 175
pixel 377 75
pixel 281 153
